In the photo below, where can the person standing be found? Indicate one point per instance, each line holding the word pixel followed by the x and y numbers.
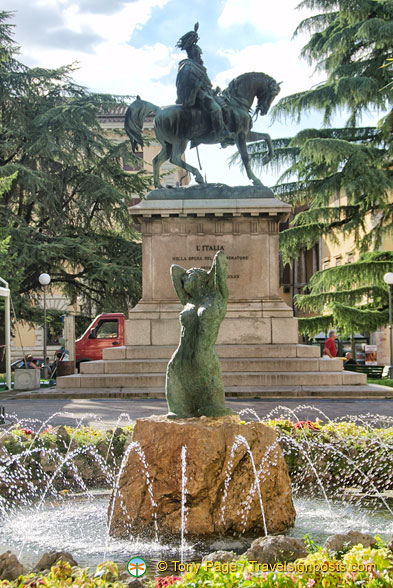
pixel 330 349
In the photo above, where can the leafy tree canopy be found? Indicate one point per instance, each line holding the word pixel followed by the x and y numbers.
pixel 351 42
pixel 63 206
pixel 352 298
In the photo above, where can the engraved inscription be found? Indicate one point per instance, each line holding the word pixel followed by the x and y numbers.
pixel 208 258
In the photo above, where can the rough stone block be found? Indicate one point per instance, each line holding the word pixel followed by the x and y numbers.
pixel 220 487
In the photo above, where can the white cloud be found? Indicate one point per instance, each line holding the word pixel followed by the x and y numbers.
pixel 278 18
pixel 118 26
pixel 279 60
pixel 111 65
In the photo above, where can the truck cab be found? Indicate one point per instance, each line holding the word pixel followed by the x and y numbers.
pixel 106 330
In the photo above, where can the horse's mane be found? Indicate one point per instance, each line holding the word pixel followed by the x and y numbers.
pixel 235 93
pixel 233 86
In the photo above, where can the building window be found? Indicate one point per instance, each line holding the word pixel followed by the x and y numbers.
pixel 325 264
pixel 350 257
pixel 339 260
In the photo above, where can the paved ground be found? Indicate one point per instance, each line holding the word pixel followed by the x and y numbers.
pixel 106 412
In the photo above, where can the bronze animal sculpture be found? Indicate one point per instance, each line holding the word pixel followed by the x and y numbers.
pixel 176 125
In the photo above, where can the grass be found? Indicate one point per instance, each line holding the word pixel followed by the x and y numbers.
pixel 381 382
pixel 3 387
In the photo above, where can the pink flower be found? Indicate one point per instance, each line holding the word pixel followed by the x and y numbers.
pixel 166 581
pixel 47 430
pixel 306 425
pixel 311 583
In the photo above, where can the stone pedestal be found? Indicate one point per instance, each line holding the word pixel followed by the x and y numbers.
pixel 27 379
pixel 187 226
pixel 258 339
pixel 221 497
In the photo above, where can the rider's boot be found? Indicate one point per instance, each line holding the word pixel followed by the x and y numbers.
pixel 219 127
pixel 223 134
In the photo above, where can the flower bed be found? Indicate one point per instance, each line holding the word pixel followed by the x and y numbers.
pixel 64 457
pixel 339 456
pixel 359 567
pixel 343 457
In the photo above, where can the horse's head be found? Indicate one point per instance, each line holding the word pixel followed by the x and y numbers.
pixel 266 94
pixel 247 86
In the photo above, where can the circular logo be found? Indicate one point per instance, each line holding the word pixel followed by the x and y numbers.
pixel 136 567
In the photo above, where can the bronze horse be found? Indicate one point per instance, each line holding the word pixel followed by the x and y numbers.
pixel 176 125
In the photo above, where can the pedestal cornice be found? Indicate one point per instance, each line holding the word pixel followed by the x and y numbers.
pixel 211 207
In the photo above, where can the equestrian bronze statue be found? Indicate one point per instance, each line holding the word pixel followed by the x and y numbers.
pixel 204 115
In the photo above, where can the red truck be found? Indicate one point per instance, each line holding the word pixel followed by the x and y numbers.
pixel 106 330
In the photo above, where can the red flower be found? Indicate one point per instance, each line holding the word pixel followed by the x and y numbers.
pixel 166 581
pixel 27 431
pixel 306 425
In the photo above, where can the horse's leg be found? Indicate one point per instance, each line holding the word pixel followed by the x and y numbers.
pixel 253 136
pixel 158 160
pixel 241 145
pixel 177 151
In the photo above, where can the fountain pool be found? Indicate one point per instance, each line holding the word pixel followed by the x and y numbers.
pixel 76 521
pixel 79 525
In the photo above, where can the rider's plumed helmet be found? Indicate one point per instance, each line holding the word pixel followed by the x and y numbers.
pixel 189 39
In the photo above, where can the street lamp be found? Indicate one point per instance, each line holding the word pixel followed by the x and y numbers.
pixel 388 279
pixel 44 280
pixel 5 292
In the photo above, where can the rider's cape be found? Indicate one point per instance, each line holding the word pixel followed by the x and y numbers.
pixel 191 77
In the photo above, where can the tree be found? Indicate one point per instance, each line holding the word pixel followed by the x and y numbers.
pixel 353 298
pixel 65 211
pixel 351 41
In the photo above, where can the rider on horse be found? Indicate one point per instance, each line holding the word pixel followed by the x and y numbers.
pixel 194 87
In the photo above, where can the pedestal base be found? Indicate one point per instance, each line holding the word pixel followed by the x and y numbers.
pixel 222 493
pixel 267 321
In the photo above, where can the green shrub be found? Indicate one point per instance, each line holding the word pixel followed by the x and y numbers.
pixel 342 455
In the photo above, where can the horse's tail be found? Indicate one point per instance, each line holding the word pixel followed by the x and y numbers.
pixel 133 124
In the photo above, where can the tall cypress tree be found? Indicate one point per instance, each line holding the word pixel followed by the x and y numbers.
pixel 65 211
pixel 351 42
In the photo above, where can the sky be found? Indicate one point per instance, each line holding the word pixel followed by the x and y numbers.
pixel 128 47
